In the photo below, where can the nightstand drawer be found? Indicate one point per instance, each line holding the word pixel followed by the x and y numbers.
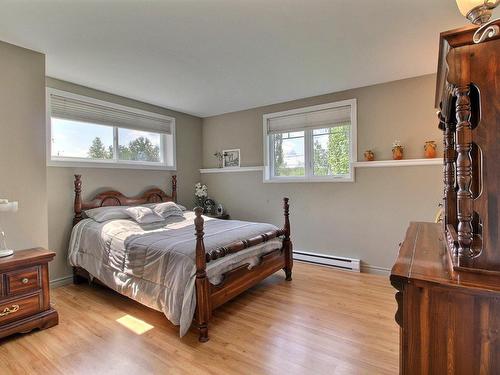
pixel 22 281
pixel 20 308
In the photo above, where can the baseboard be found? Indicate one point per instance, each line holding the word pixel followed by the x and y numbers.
pixel 65 280
pixel 376 270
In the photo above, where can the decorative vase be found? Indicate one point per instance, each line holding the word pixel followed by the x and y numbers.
pixel 220 209
pixel 209 206
pixel 369 155
pixel 397 153
pixel 430 149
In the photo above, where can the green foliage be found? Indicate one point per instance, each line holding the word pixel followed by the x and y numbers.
pixel 290 172
pixel 338 150
pixel 330 160
pixel 321 160
pixel 280 166
pixel 279 157
pixel 140 149
pixel 97 150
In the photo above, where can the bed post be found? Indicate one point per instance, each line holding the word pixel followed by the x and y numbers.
pixel 77 279
pixel 287 244
pixel 78 199
pixel 174 188
pixel 202 296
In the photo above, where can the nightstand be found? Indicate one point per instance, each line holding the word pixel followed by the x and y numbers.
pixel 220 217
pixel 24 292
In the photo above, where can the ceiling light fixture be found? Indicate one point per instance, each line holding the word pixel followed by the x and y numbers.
pixel 479 13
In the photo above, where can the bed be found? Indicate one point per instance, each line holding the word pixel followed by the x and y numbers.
pixel 185 266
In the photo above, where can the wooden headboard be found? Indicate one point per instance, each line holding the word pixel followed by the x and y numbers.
pixel 115 198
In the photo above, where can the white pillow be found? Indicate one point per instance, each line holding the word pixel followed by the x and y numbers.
pixel 167 209
pixel 153 205
pixel 143 215
pixel 101 214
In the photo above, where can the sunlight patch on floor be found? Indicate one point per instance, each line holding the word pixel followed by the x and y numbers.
pixel 135 325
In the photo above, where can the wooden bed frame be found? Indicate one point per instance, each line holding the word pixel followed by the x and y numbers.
pixel 208 296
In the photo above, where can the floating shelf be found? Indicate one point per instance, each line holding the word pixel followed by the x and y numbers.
pixel 235 169
pixel 357 164
pixel 397 163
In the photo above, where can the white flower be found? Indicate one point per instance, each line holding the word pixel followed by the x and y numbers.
pixel 396 143
pixel 200 190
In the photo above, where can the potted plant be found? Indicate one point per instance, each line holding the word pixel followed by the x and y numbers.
pixel 200 194
pixel 430 149
pixel 397 150
pixel 369 155
pixel 220 157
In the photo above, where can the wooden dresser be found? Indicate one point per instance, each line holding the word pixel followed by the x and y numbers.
pixel 24 292
pixel 448 275
pixel 450 321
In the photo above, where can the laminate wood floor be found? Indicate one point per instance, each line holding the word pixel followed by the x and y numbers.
pixel 324 322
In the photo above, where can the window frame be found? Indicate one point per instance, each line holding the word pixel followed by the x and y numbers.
pixel 115 162
pixel 268 174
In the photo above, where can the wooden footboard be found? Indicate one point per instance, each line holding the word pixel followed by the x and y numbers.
pixel 236 281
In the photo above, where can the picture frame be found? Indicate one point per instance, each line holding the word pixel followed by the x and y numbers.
pixel 231 158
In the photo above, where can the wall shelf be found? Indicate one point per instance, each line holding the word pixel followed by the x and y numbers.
pixel 357 164
pixel 235 169
pixel 397 163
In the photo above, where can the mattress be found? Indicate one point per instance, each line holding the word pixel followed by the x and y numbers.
pixel 154 264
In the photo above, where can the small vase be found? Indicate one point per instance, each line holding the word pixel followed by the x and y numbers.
pixel 430 149
pixel 220 209
pixel 397 153
pixel 369 155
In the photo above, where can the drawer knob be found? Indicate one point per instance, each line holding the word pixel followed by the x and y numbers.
pixel 25 280
pixel 10 310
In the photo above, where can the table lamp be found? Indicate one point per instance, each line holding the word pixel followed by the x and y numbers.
pixel 6 206
pixel 479 13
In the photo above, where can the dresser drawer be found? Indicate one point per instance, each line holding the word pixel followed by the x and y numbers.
pixel 20 308
pixel 23 281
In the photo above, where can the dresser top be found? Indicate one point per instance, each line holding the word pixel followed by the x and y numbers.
pixel 423 256
pixel 27 256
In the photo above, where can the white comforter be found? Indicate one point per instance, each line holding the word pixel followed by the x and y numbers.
pixel 154 264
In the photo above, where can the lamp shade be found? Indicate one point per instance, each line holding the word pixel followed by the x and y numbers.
pixel 465 6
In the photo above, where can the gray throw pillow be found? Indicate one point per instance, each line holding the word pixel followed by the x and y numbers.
pixel 143 215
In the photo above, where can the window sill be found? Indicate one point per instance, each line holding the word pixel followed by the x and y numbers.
pixel 83 164
pixel 310 180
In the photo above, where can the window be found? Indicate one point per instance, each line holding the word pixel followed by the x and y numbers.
pixel 84 131
pixel 316 143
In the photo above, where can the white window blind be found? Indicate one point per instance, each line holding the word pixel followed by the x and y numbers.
pixel 79 110
pixel 309 120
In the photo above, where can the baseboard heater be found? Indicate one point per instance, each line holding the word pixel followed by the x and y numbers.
pixel 349 264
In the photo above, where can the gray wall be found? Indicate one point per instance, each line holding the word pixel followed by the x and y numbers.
pixel 128 181
pixel 22 145
pixel 366 219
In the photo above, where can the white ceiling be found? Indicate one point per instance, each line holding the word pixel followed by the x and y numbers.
pixel 207 57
